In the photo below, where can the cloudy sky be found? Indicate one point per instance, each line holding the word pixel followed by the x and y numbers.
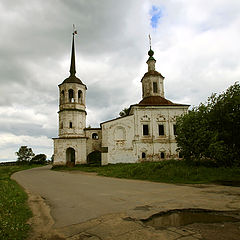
pixel 196 44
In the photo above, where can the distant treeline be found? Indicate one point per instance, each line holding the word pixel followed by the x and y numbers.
pixel 8 163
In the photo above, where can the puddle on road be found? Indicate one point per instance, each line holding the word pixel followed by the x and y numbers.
pixel 177 218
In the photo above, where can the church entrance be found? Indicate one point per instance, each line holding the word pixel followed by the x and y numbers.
pixel 94 158
pixel 70 156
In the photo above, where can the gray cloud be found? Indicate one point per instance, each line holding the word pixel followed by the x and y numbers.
pixel 196 46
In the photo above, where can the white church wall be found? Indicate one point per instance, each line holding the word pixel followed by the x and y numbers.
pixel 62 144
pixel 78 123
pixel 117 137
pixel 153 144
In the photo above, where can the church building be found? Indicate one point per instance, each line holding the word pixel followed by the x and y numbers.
pixel 146 133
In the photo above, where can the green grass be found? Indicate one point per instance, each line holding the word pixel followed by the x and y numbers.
pixel 170 171
pixel 14 211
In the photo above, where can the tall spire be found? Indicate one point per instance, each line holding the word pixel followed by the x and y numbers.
pixel 72 66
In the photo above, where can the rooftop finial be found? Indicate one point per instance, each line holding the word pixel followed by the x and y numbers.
pixel 74 30
pixel 150 52
pixel 72 66
pixel 150 41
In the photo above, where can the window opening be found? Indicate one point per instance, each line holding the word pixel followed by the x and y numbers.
pixel 174 129
pixel 71 95
pixel 79 96
pixel 94 136
pixel 162 155
pixel 154 87
pixel 145 130
pixel 161 129
pixel 70 125
pixel 62 96
pixel 143 155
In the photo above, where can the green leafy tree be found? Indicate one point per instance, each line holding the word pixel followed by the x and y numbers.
pixel 24 154
pixel 39 159
pixel 212 131
pixel 124 112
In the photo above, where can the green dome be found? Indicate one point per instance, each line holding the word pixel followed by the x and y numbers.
pixel 150 53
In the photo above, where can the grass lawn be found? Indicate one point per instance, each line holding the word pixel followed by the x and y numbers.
pixel 14 211
pixel 170 171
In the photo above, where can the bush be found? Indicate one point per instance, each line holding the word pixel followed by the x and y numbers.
pixel 39 159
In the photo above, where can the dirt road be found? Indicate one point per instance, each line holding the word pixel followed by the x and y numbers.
pixel 76 205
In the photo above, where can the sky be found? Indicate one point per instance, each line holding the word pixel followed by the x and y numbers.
pixel 196 45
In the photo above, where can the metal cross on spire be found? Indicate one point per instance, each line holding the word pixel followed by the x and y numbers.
pixel 150 41
pixel 74 30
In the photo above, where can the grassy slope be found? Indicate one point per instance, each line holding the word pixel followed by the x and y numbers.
pixel 14 211
pixel 165 171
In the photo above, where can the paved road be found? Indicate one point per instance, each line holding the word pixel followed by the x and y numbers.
pixel 76 197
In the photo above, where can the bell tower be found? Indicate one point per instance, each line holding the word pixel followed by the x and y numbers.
pixel 72 103
pixel 152 81
pixel 70 146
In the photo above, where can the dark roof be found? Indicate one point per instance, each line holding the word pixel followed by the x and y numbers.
pixel 152 73
pixel 92 128
pixel 114 119
pixel 72 79
pixel 157 101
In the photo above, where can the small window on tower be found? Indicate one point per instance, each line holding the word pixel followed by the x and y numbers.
pixel 143 155
pixel 79 96
pixel 94 136
pixel 154 87
pixel 145 130
pixel 161 129
pixel 162 155
pixel 70 125
pixel 71 95
pixel 174 129
pixel 62 97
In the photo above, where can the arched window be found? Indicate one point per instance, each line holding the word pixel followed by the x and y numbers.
pixel 143 155
pixel 70 124
pixel 71 95
pixel 162 155
pixel 70 156
pixel 79 96
pixel 62 97
pixel 94 136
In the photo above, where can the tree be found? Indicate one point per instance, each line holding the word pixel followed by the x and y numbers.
pixel 124 112
pixel 212 130
pixel 39 159
pixel 24 154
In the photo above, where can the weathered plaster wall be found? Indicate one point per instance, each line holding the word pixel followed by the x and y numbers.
pixel 62 144
pixel 93 144
pixel 117 137
pixel 154 144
